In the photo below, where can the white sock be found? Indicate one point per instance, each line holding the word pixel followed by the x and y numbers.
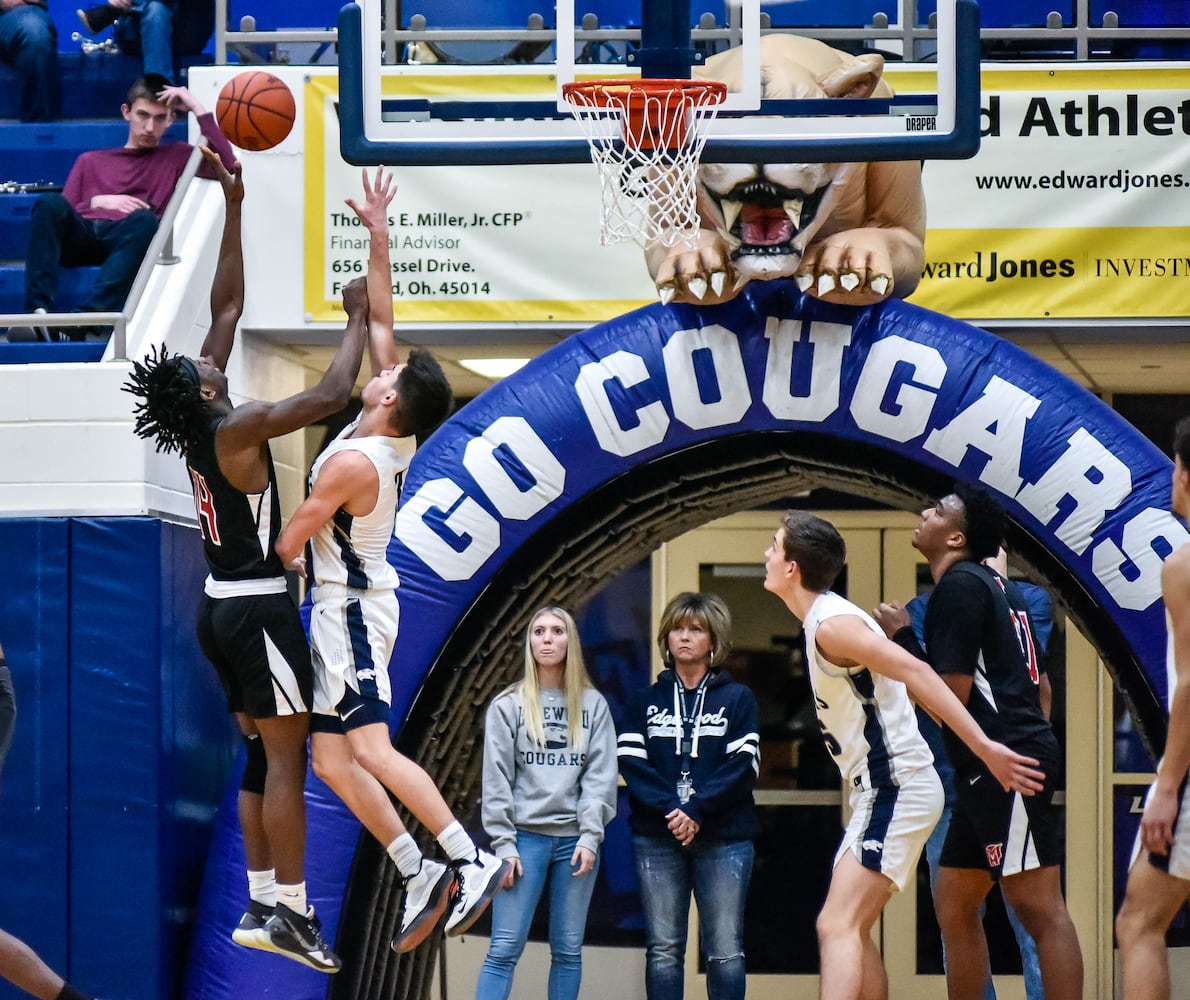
pixel 405 855
pixel 456 844
pixel 293 896
pixel 262 886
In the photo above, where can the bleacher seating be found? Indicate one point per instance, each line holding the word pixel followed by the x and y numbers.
pixel 95 81
pixel 43 154
pixel 34 354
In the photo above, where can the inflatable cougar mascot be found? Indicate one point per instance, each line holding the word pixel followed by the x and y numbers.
pixel 848 232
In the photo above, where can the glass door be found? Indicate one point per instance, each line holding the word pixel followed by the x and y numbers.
pixel 799 796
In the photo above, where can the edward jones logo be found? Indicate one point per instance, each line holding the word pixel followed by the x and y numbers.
pixel 992 267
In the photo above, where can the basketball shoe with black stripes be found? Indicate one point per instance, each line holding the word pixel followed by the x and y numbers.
pixel 300 938
pixel 250 932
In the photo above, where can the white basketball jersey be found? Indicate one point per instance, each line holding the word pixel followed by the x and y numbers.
pixel 353 551
pixel 867 719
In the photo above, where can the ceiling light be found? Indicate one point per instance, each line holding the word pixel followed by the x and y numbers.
pixel 494 367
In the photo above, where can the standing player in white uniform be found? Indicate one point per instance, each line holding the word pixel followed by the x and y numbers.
pixel 349 517
pixel 1159 880
pixel 862 684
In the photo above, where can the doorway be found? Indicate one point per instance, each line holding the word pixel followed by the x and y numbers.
pixel 799 794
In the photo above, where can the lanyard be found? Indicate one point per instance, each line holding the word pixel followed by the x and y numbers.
pixel 687 746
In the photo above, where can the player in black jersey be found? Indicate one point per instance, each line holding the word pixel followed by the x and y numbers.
pixel 248 626
pixel 978 637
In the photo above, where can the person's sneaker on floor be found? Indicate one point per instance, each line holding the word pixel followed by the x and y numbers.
pixel 426 896
pixel 250 932
pixel 478 882
pixel 96 18
pixel 300 938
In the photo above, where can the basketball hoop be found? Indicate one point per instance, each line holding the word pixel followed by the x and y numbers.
pixel 648 166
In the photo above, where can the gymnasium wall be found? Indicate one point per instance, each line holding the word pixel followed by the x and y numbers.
pixel 122 751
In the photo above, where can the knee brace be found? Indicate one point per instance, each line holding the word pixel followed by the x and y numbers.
pixel 256 768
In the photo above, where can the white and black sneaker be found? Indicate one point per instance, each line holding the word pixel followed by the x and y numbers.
pixel 426 896
pixel 478 882
pixel 250 932
pixel 300 938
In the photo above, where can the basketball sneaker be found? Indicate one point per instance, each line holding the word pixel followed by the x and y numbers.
pixel 250 932
pixel 478 881
pixel 300 938
pixel 96 19
pixel 426 896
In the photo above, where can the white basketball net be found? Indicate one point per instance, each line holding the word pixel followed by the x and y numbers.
pixel 646 140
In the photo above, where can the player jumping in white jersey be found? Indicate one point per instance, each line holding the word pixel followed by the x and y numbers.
pixel 348 518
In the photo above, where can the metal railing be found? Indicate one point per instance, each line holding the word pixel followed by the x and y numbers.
pixel 160 252
pixel 1082 40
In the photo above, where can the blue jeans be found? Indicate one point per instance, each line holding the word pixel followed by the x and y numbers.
pixel 718 875
pixel 543 858
pixel 60 237
pixel 1030 967
pixel 29 44
pixel 149 31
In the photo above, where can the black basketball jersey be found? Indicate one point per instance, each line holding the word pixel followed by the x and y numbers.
pixel 238 529
pixel 977 623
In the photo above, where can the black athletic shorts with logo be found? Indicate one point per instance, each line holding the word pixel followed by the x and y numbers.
pixel 259 649
pixel 1003 833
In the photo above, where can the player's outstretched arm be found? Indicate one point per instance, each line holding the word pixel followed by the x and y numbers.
pixel 342 478
pixel 847 641
pixel 1161 810
pixel 252 424
pixel 373 213
pixel 227 288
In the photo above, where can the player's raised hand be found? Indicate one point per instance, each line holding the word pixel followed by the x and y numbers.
pixel 232 181
pixel 378 195
pixel 355 296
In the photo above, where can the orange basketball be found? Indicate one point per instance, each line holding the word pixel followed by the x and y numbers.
pixel 255 110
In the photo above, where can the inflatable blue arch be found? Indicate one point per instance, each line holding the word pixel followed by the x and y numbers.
pixel 646 426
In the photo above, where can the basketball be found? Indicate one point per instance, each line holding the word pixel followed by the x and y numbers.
pixel 255 110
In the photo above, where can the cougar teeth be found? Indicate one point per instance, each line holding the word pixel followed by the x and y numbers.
pixel 793 209
pixel 731 212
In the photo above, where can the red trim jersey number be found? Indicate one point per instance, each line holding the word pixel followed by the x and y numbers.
pixel 208 522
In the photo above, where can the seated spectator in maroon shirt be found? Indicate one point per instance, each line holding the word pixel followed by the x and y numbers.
pixel 108 211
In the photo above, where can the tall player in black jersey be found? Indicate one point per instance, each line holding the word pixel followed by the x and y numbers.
pixel 978 637
pixel 248 625
pixel 1159 879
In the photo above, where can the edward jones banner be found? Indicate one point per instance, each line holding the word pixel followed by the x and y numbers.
pixel 1076 206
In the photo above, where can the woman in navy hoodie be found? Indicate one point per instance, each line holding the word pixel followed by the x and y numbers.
pixel 689 752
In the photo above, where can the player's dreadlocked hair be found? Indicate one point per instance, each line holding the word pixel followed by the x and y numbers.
pixel 173 411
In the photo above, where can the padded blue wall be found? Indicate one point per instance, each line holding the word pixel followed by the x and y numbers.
pixel 122 750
